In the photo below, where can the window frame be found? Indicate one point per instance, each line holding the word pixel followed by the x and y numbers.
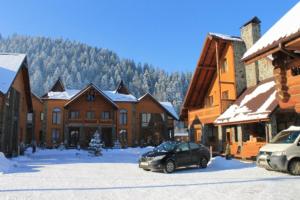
pixel 56 116
pixel 123 117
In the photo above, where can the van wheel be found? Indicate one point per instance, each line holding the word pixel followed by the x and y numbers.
pixel 294 167
pixel 203 162
pixel 169 167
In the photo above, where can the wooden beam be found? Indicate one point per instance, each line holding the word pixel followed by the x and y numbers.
pixel 218 72
pixel 208 67
pixel 227 82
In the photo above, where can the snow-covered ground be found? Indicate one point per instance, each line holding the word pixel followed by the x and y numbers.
pixel 72 174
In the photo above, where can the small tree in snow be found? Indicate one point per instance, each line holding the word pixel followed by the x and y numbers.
pixel 95 144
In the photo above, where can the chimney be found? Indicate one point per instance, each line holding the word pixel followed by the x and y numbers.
pixel 250 33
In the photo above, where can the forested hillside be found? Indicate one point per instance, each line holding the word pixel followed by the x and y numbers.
pixel 79 64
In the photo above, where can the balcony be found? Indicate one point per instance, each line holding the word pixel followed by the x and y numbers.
pixel 90 121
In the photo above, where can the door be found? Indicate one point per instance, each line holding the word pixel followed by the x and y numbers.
pixel 74 137
pixel 195 152
pixel 183 154
pixel 107 137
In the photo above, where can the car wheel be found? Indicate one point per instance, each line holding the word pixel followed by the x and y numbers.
pixel 146 169
pixel 294 167
pixel 203 162
pixel 169 166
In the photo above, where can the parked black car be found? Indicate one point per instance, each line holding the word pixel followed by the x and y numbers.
pixel 170 155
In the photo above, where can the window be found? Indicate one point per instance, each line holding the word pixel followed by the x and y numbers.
pixel 146 119
pixel 91 95
pixel 42 116
pixel 295 71
pixel 56 116
pixel 194 146
pixel 225 95
pixel 105 115
pixel 29 117
pixel 90 115
pixel 209 101
pixel 74 115
pixel 224 67
pixel 55 135
pixel 182 147
pixel 123 117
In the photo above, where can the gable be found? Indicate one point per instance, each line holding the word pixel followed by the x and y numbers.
pixel 91 90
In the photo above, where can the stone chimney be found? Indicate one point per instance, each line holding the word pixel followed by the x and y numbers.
pixel 250 33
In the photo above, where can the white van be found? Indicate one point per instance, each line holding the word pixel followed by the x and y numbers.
pixel 283 152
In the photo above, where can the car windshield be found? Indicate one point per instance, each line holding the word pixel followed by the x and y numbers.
pixel 165 147
pixel 285 137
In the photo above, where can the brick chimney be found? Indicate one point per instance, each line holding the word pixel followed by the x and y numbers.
pixel 250 33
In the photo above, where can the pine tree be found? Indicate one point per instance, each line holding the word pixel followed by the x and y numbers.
pixel 95 145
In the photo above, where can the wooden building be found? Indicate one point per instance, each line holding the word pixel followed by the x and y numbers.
pixel 221 82
pixel 254 119
pixel 73 116
pixel 15 102
pixel 282 43
pixel 216 83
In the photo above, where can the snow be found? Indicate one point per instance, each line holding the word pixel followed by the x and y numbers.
pixel 226 37
pixel 68 94
pixel 286 26
pixel 5 164
pixel 9 65
pixel 169 107
pixel 73 174
pixel 293 128
pixel 117 97
pixel 11 61
pixel 6 79
pixel 238 113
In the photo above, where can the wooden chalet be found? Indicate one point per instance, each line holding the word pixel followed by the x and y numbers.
pixel 73 116
pixel 15 102
pixel 215 85
pixel 282 43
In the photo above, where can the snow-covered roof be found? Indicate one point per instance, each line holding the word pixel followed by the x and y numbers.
pixel 226 37
pixel 66 95
pixel 9 66
pixel 168 106
pixel 118 97
pixel 256 103
pixel 288 25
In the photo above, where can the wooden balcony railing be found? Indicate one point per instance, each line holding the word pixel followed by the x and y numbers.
pixel 91 121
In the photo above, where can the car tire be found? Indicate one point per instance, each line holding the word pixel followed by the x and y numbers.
pixel 203 162
pixel 169 167
pixel 146 170
pixel 294 167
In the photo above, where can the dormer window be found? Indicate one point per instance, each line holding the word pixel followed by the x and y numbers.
pixel 91 95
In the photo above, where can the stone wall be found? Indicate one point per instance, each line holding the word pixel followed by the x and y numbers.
pixel 239 49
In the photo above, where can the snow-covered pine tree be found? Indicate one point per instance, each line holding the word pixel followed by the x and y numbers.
pixel 95 145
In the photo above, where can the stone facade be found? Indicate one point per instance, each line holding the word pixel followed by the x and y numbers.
pixel 259 70
pixel 240 71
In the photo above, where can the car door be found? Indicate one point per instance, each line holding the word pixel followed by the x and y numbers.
pixel 183 154
pixel 195 152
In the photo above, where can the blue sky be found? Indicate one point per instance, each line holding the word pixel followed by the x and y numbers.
pixel 166 33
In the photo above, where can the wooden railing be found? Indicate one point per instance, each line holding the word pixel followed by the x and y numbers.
pixel 91 121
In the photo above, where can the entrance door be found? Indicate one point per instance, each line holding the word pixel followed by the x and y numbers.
pixel 107 137
pixel 73 137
